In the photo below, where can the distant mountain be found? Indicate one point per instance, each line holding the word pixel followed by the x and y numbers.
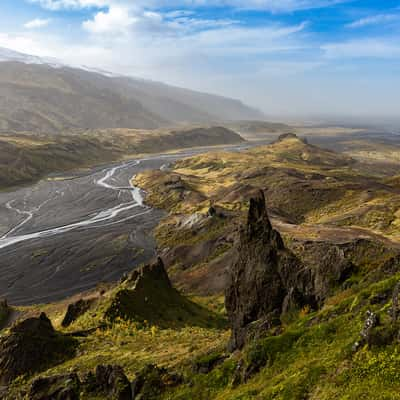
pixel 12 55
pixel 43 95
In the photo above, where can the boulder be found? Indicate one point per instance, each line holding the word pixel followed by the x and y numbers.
pixel 265 279
pixel 75 310
pixel 59 387
pixel 112 381
pixel 374 333
pixel 31 346
pixel 151 381
pixel 371 321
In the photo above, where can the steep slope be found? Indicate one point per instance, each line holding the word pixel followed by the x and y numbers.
pixel 347 348
pixel 264 281
pixel 119 325
pixel 41 98
pixel 42 95
pixel 313 195
pixel 313 315
pixel 179 104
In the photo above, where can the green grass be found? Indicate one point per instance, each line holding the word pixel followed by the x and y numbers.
pixel 312 359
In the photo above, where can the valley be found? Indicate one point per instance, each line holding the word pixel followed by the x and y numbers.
pixel 26 157
pixel 328 224
pixel 67 233
pixel 199 200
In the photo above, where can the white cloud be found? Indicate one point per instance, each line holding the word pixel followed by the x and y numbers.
pixel 179 13
pixel 71 4
pixel 271 5
pixel 268 5
pixel 114 21
pixel 374 20
pixel 121 21
pixel 277 66
pixel 363 48
pixel 37 23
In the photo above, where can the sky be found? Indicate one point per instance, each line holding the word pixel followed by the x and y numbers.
pixel 290 58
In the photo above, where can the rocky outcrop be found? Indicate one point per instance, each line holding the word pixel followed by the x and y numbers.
pixel 391 266
pixel 59 387
pixel 265 279
pixel 146 295
pixel 112 381
pixel 75 310
pixel 394 311
pixel 332 264
pixel 152 381
pixel 31 346
pixel 149 274
pixel 290 135
pixel 4 312
pixel 107 382
pixel 333 268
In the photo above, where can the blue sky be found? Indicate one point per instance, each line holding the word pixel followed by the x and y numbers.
pixel 297 58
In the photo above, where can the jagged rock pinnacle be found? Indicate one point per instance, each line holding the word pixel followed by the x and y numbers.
pixel 263 278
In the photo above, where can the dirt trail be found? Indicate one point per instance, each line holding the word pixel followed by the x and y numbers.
pixel 332 234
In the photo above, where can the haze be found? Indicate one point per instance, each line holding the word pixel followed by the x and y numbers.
pixel 291 59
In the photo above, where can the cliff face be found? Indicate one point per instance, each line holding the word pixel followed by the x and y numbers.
pixel 265 280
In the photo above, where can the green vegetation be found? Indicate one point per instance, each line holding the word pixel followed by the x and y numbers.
pixel 26 157
pixel 312 357
pixel 305 185
pixel 318 200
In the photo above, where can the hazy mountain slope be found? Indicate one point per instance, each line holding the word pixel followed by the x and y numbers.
pixel 178 104
pixel 12 55
pixel 40 98
pixel 41 95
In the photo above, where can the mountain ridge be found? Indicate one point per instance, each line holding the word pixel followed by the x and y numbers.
pixel 42 95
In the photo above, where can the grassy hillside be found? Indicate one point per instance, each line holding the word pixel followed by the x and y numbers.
pixel 40 98
pixel 312 195
pixel 345 349
pixel 26 157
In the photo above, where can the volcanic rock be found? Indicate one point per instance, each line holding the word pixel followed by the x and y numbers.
pixel 75 310
pixel 147 296
pixel 333 269
pixel 265 279
pixel 151 381
pixel 112 381
pixel 59 387
pixel 4 311
pixel 31 346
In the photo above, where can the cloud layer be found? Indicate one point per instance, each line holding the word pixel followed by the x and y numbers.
pixel 289 57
